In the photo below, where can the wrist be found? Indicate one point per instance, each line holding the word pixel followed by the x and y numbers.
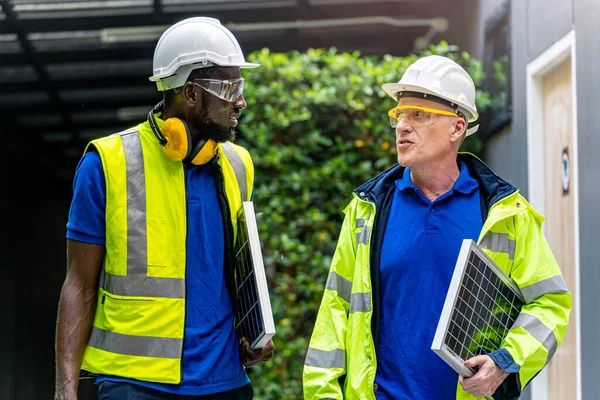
pixel 66 391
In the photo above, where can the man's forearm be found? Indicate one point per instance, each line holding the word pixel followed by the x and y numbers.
pixel 76 312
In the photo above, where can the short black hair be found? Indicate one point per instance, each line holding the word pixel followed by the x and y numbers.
pixel 169 96
pixel 202 73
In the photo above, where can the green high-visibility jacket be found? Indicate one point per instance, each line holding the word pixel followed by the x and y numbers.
pixel 341 361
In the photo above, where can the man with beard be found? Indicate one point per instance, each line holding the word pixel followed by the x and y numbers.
pixel 147 300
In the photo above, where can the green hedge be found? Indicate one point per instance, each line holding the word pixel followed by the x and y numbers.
pixel 317 127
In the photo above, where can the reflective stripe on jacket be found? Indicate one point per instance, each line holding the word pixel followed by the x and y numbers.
pixel 341 359
pixel 139 321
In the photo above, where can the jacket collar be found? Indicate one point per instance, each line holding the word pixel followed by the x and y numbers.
pixel 492 187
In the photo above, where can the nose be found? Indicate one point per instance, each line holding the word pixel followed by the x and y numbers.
pixel 403 126
pixel 240 102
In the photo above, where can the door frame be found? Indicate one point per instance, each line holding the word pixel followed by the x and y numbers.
pixel 560 51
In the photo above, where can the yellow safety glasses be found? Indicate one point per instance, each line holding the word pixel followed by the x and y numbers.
pixel 416 116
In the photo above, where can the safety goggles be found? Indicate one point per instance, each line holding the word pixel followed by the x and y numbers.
pixel 228 90
pixel 416 116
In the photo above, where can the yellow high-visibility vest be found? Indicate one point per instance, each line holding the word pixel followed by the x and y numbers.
pixel 139 322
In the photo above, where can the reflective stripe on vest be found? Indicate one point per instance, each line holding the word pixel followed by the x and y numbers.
pixel 146 346
pixel 137 282
pixel 238 167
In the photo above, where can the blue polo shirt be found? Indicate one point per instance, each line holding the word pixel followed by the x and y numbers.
pixel 421 242
pixel 211 360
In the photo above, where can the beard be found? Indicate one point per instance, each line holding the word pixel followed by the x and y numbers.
pixel 216 132
pixel 212 130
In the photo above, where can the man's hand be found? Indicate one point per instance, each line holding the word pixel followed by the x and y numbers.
pixel 487 379
pixel 252 357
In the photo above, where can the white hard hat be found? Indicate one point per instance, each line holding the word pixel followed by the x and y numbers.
pixel 194 43
pixel 443 79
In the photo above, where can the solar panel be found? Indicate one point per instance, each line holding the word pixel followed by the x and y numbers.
pixel 253 317
pixel 481 306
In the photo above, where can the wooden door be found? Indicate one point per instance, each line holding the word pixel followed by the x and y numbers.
pixel 559 210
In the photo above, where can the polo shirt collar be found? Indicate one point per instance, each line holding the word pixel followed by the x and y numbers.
pixel 465 184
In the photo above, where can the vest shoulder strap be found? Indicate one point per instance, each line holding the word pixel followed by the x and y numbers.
pixel 238 167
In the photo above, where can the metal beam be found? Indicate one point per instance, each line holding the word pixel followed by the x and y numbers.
pixel 123 52
pixel 87 83
pixel 253 40
pixel 31 58
pixel 407 9
pixel 116 21
pixel 83 105
pixel 108 126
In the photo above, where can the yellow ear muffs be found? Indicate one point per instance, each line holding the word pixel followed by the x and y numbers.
pixel 203 152
pixel 206 153
pixel 178 139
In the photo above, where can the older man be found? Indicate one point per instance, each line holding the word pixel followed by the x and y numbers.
pixel 397 250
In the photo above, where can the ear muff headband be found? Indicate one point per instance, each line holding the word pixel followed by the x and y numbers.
pixel 155 129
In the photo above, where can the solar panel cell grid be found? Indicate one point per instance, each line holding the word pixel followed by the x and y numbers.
pixel 247 297
pixel 253 318
pixel 480 308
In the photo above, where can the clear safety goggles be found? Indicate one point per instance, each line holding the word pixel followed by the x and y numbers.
pixel 416 116
pixel 228 90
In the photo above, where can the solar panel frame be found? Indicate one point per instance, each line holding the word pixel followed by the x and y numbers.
pixel 253 314
pixel 463 305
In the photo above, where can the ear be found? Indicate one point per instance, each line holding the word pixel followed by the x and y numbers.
pixel 460 126
pixel 190 94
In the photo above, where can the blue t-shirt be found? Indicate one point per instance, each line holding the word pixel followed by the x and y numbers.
pixel 421 242
pixel 211 360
